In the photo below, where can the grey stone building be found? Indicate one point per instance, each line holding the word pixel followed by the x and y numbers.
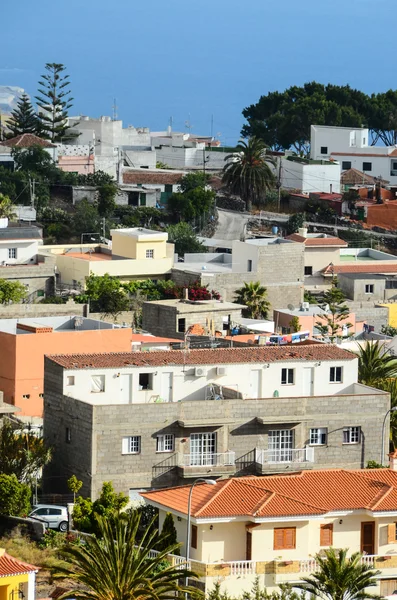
pixel 156 419
pixel 368 287
pixel 172 318
pixel 277 263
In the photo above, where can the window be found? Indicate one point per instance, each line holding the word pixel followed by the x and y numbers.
pixel 181 325
pixel 393 167
pixel 391 284
pixel 131 444
pixel 165 443
pixel 249 266
pixel 364 140
pixel 68 435
pixel 55 511
pixel 70 380
pixel 12 252
pixel 142 199
pixel 145 381
pixel 326 534
pixel 324 150
pixel 26 396
pixel 41 395
pixel 367 166
pixel 318 436
pixel 392 534
pixel 168 188
pixel 308 270
pixel 280 443
pixel 335 374
pixel 193 542
pixel 284 538
pixel 351 435
pixel 150 253
pixel 346 165
pixel 369 288
pixel 97 384
pixel 287 376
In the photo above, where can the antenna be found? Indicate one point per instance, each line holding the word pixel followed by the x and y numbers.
pixel 212 126
pixel 114 107
pixel 188 124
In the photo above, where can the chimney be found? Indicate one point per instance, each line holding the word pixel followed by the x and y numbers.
pixel 302 231
pixel 186 294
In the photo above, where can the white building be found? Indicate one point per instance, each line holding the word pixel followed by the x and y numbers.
pixel 19 244
pixel 320 175
pixel 350 146
pixel 180 150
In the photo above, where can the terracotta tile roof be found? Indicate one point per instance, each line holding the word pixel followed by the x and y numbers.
pixel 306 493
pixel 358 154
pixel 12 566
pixel 317 241
pixel 203 357
pixel 354 176
pixel 143 176
pixel 382 268
pixel 26 140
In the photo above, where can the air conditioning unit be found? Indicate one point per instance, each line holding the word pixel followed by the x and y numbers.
pixel 221 370
pixel 200 372
pixel 305 305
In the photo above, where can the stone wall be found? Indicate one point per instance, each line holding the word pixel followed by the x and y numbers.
pixel 33 310
pixel 370 313
pixel 94 453
pixel 36 277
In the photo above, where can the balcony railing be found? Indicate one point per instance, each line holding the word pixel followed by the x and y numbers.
pixel 309 565
pixel 286 455
pixel 240 568
pixel 223 459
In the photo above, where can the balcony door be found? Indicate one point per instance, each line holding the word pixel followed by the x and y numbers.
pixel 280 445
pixel 202 449
pixel 368 537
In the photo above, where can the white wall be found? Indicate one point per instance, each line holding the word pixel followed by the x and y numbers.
pixel 310 178
pixel 140 158
pixel 186 386
pixel 26 251
pixel 180 157
pixel 335 139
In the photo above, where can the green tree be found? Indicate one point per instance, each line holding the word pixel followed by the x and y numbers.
pixel 22 454
pixel 6 207
pixel 339 577
pixel 389 330
pixel 116 566
pixel 254 296
pixel 74 485
pixel 294 324
pixel 169 536
pixel 295 222
pixel 86 218
pixel 54 99
pixel 11 291
pixel 192 204
pixel 184 238
pixel 107 199
pixel 106 294
pixel 14 496
pixel 191 181
pixel 86 512
pixel 248 171
pixel 337 313
pixel 36 160
pixel 375 364
pixel 23 118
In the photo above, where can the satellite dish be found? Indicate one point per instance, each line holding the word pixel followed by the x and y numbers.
pixel 291 307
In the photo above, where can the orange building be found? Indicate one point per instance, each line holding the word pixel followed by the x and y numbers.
pixel 25 342
pixel 308 316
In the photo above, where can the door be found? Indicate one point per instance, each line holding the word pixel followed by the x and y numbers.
pixel 202 449
pixel 248 546
pixel 308 376
pixel 255 383
pixel 368 537
pixel 166 387
pixel 280 445
pixel 125 389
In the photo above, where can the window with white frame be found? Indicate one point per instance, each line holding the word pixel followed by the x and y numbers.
pixel 318 436
pixel 165 443
pixel 335 374
pixel 97 384
pixel 150 253
pixel 369 288
pixel 131 444
pixel 351 435
pixel 287 376
pixel 70 380
pixel 12 252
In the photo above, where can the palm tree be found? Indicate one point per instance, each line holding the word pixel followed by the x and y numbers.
pixel 339 577
pixel 247 172
pixel 254 296
pixel 115 566
pixel 375 364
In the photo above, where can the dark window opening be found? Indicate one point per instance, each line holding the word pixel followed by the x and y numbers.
pixel 181 325
pixel 367 166
pixel 145 381
pixel 324 150
pixel 346 165
pixel 308 270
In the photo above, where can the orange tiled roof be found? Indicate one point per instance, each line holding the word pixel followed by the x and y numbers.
pixel 319 241
pixel 12 566
pixel 203 357
pixel 382 268
pixel 305 493
pixel 27 140
pixel 142 176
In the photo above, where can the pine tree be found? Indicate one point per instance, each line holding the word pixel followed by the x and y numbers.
pixel 169 533
pixel 54 100
pixel 23 118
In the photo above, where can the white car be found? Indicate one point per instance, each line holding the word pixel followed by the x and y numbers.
pixel 55 516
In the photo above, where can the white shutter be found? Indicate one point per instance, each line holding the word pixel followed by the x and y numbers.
pixel 125 449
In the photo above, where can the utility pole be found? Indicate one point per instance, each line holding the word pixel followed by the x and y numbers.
pixel 279 186
pixel 104 227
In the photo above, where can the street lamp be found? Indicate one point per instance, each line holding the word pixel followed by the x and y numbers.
pixel 382 454
pixel 189 508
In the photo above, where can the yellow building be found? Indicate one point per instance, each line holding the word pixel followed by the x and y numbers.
pixel 17 579
pixel 272 527
pixel 135 253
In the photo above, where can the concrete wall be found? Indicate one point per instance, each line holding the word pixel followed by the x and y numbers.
pixel 311 177
pixel 31 310
pixel 97 432
pixel 355 288
pixel 337 139
pixel 26 251
pixel 370 313
pixel 319 258
pixel 36 277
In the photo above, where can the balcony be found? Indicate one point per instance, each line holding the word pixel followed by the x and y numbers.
pixel 272 460
pixel 195 465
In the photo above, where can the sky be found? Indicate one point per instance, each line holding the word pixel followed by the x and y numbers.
pixel 198 61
